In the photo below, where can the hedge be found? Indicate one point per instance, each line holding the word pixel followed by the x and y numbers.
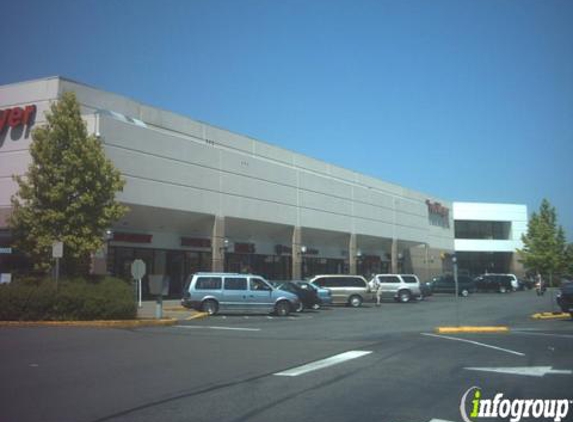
pixel 72 300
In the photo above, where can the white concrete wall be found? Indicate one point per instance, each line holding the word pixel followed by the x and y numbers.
pixel 515 214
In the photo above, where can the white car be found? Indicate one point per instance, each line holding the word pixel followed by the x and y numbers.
pixel 400 287
pixel 514 281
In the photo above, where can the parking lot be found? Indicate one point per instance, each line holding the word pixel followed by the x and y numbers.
pixel 372 363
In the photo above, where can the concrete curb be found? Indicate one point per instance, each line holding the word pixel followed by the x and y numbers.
pixel 456 330
pixel 130 323
pixel 198 315
pixel 551 315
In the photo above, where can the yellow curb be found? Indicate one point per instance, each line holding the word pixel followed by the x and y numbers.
pixel 198 315
pixel 454 330
pixel 128 323
pixel 551 315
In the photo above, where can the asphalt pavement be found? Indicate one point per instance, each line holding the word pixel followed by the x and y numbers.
pixel 373 364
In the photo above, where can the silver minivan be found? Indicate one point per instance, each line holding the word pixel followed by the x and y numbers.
pixel 351 290
pixel 214 292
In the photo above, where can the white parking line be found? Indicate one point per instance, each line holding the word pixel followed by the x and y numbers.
pixel 529 333
pixel 324 363
pixel 195 327
pixel 477 343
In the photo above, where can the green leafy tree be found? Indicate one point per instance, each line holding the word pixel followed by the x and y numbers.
pixel 569 260
pixel 67 194
pixel 544 249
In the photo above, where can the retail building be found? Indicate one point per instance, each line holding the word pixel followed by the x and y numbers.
pixel 203 198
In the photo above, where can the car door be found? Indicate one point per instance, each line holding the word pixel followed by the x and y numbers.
pixel 235 294
pixel 260 298
pixel 389 285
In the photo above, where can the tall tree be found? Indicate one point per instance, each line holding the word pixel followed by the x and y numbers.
pixel 569 260
pixel 544 249
pixel 68 192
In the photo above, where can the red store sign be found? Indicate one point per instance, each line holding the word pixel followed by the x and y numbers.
pixel 437 208
pixel 17 116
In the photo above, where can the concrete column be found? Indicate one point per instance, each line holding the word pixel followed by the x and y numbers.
pixel 516 267
pixel 218 245
pixel 296 254
pixel 352 252
pixel 394 256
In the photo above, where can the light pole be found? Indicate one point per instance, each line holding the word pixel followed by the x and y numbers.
pixel 303 250
pixel 223 253
pixel 108 238
pixel 455 266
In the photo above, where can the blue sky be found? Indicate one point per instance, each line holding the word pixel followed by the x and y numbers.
pixel 464 100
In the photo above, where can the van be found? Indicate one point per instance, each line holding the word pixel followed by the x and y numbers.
pixel 447 284
pixel 351 290
pixel 215 292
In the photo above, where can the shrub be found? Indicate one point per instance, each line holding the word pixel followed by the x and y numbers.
pixel 72 300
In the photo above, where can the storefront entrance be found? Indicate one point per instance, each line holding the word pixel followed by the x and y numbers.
pixel 176 265
pixel 272 267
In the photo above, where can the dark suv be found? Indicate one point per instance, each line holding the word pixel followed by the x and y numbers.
pixel 565 298
pixel 447 284
pixel 494 283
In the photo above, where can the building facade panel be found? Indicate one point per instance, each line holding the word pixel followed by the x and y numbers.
pixel 158 194
pixel 157 143
pixel 256 168
pixel 253 209
pixel 259 190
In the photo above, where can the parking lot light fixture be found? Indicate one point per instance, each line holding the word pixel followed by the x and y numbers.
pixel 225 246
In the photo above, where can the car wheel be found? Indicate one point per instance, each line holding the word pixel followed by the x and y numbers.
pixel 464 293
pixel 355 301
pixel 404 296
pixel 210 307
pixel 502 289
pixel 282 308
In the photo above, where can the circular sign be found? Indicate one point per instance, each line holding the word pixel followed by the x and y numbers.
pixel 138 269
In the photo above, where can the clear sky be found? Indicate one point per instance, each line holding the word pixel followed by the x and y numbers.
pixel 464 100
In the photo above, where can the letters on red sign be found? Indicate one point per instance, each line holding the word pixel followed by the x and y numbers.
pixel 4 118
pixel 17 116
pixel 437 208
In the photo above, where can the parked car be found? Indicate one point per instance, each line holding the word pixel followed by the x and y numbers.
pixel 501 283
pixel 214 292
pixel 325 295
pixel 425 289
pixel 351 290
pixel 525 284
pixel 565 298
pixel 308 296
pixel 400 287
pixel 446 284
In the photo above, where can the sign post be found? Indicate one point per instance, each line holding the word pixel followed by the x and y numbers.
pixel 138 271
pixel 158 286
pixel 57 253
pixel 455 265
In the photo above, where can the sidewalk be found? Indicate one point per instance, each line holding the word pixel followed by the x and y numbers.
pixel 171 309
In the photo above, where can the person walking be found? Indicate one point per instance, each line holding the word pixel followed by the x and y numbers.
pixel 540 285
pixel 378 292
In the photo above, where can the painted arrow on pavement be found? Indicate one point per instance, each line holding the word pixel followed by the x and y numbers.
pixel 531 371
